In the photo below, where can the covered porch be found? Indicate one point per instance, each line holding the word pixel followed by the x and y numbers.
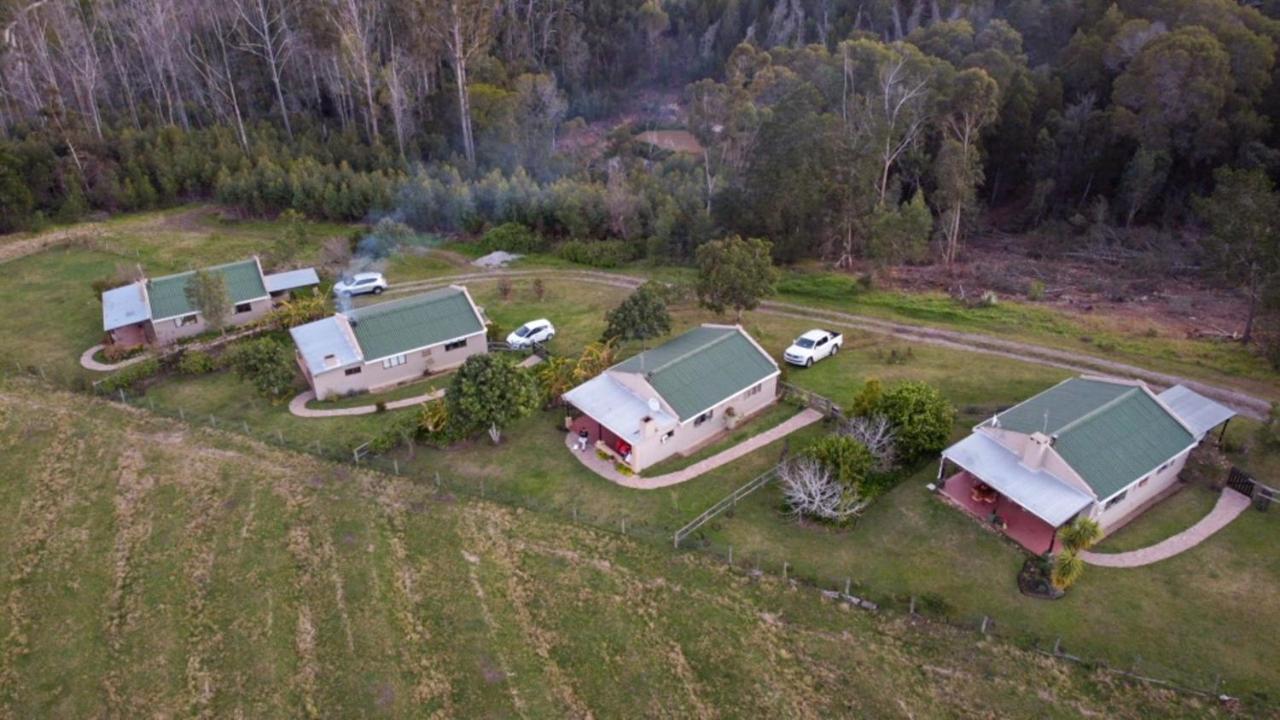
pixel 986 480
pixel 989 507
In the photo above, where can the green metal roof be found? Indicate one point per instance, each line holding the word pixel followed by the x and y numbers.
pixel 702 367
pixel 1110 433
pixel 168 294
pixel 398 326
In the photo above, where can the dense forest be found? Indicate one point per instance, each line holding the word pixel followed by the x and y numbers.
pixel 846 130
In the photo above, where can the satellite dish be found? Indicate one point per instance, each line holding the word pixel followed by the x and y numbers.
pixel 654 405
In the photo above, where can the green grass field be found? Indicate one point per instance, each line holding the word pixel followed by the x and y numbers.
pixel 1179 618
pixel 196 573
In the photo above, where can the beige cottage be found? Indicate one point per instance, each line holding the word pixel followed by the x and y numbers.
pixel 157 310
pixel 675 397
pixel 378 346
pixel 1088 447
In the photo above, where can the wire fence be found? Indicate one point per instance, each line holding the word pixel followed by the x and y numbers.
pixel 843 589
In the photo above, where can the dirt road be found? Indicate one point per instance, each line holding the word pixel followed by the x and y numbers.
pixel 1242 402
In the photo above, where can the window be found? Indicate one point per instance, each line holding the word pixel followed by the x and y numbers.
pixel 244 308
pixel 1164 467
pixel 703 418
pixel 1144 480
pixel 394 361
pixel 753 391
pixel 352 370
pixel 451 346
pixel 669 434
pixel 1115 500
pixel 191 319
pixel 822 342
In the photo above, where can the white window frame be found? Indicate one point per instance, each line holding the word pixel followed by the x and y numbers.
pixel 394 361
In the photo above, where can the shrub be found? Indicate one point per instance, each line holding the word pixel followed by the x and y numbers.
pixel 811 489
pixel 921 417
pixel 513 237
pixel 115 352
pixel 380 406
pixel 296 311
pixel 1035 290
pixel 848 460
pixel 265 362
pixel 601 253
pixel 504 288
pixel 493 332
pixel 1269 432
pixel 539 289
pixel 197 362
pixel 130 376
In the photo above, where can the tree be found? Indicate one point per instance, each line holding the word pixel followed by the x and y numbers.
pixel 641 316
pixel 734 273
pixel 207 293
pixel 555 378
pixel 811 490
pixel 876 433
pixel 265 362
pixel 464 28
pixel 922 419
pixel 971 105
pixel 490 391
pixel 848 460
pixel 595 358
pixel 1243 245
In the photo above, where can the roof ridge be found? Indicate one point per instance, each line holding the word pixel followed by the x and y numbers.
pixel 379 308
pixel 690 352
pixel 1131 392
pixel 207 268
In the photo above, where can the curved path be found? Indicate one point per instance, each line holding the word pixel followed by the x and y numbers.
pixel 298 405
pixel 88 363
pixel 1230 505
pixel 606 470
pixel 1242 402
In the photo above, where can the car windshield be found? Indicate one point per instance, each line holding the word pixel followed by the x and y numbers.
pixel 524 331
pixel 804 342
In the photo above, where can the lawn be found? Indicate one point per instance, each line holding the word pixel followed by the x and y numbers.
pixel 193 572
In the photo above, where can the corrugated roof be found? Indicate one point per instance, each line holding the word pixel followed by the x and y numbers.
pixel 398 326
pixel 124 306
pixel 291 280
pixel 702 367
pixel 610 403
pixel 168 294
pixel 1110 433
pixel 325 345
pixel 1044 495
pixel 1197 411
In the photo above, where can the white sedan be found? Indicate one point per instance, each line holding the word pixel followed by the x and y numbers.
pixel 534 331
pixel 361 284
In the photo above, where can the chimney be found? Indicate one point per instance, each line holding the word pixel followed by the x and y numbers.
pixel 1034 449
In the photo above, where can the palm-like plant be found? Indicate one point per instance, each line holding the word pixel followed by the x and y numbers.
pixel 434 416
pixel 1080 535
pixel 1067 569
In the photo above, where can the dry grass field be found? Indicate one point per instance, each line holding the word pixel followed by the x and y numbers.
pixel 151 569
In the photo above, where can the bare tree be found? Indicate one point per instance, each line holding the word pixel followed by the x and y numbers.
pixel 214 66
pixel 877 434
pixel 810 490
pixel 464 28
pixel 355 22
pixel 265 33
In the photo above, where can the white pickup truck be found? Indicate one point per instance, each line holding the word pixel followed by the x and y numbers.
pixel 813 346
